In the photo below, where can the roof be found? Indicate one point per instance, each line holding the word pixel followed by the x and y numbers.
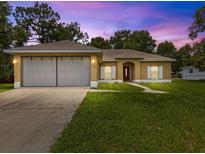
pixel 115 54
pixel 69 46
pixel 63 46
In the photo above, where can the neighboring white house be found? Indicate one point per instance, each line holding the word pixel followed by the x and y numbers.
pixel 192 73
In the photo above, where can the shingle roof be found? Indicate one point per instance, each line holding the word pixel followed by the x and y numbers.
pixel 114 54
pixel 58 45
pixel 108 54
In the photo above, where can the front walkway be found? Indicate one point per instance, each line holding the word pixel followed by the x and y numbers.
pixel 31 118
pixel 146 89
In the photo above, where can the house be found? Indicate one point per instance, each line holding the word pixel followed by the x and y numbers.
pixel 65 63
pixel 192 73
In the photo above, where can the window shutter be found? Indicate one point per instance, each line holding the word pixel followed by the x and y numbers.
pixel 102 72
pixel 160 72
pixel 149 72
pixel 113 72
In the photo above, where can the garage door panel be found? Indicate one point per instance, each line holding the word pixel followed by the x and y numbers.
pixel 46 71
pixel 39 71
pixel 73 71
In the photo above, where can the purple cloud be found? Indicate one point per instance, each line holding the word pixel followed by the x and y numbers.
pixel 164 20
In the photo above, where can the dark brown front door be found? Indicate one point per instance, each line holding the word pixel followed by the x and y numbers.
pixel 126 73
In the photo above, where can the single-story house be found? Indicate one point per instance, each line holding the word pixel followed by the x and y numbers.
pixel 65 63
pixel 192 73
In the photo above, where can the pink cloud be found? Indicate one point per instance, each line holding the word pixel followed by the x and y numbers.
pixel 104 18
pixel 172 31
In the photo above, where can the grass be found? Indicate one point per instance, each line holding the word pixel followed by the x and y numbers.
pixel 139 122
pixel 118 86
pixel 5 87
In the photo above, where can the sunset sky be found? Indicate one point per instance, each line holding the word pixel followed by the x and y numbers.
pixel 164 20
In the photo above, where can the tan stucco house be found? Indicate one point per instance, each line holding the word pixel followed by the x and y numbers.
pixel 65 63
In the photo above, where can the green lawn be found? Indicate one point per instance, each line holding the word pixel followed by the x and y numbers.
pixel 118 86
pixel 139 122
pixel 5 87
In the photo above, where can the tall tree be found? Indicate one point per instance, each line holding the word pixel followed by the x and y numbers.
pixel 70 31
pixel 5 40
pixel 198 59
pixel 140 40
pixel 5 25
pixel 39 20
pixel 119 39
pixel 198 26
pixel 199 46
pixel 166 49
pixel 19 36
pixel 100 42
pixel 183 58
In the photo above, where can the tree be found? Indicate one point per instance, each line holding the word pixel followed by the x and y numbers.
pixel 140 40
pixel 198 59
pixel 39 20
pixel 5 41
pixel 100 42
pixel 70 31
pixel 5 26
pixel 183 58
pixel 199 47
pixel 198 26
pixel 166 49
pixel 119 39
pixel 19 36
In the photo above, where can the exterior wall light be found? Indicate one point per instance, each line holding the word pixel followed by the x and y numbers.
pixel 93 61
pixel 14 61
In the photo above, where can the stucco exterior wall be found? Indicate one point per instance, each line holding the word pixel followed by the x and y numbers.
pixel 94 72
pixel 140 68
pixel 166 69
pixel 17 71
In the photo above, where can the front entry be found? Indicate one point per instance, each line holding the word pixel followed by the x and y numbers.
pixel 126 73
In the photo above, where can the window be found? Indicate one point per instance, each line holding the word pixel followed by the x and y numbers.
pixel 107 72
pixel 155 72
pixel 190 70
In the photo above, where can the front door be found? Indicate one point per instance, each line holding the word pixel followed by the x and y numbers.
pixel 126 73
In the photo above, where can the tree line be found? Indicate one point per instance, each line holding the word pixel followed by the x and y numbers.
pixel 40 23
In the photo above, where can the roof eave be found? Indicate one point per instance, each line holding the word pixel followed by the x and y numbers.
pixel 169 60
pixel 12 51
pixel 129 58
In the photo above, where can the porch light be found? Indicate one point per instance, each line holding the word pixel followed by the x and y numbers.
pixel 14 61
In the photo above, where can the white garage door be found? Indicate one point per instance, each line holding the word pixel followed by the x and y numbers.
pixel 56 71
pixel 73 71
pixel 39 71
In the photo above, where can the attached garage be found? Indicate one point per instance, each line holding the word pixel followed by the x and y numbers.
pixel 55 71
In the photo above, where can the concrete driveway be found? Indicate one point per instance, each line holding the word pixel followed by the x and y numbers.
pixel 32 118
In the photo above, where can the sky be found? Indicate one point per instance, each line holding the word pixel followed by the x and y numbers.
pixel 164 20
